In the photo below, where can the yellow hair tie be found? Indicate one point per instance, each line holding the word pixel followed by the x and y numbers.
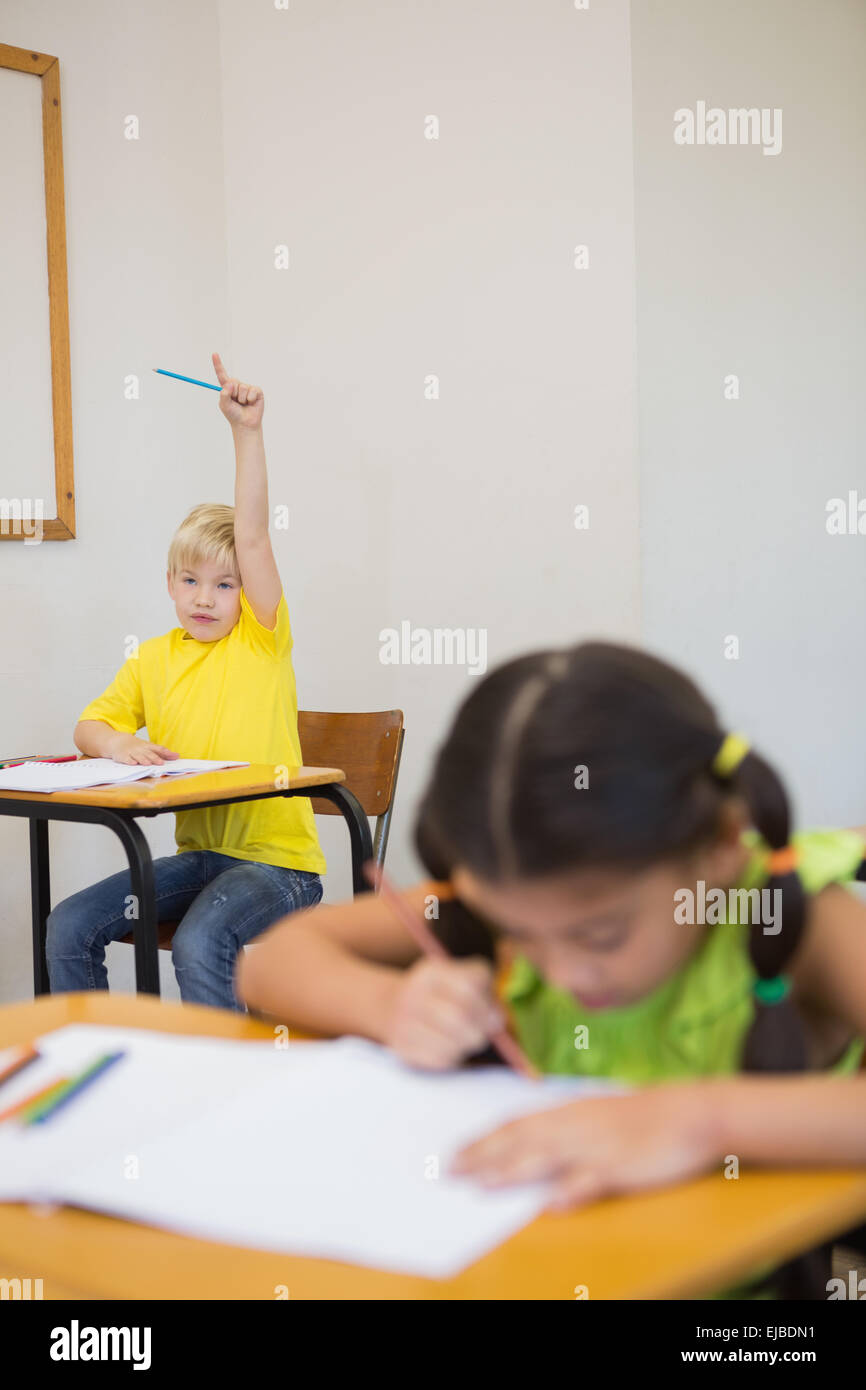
pixel 732 751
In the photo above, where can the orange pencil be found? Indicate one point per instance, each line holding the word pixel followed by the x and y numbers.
pixel 22 1059
pixel 432 946
pixel 33 1098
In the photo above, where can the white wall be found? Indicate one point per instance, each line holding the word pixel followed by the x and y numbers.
pixel 408 257
pixel 753 264
pixel 455 257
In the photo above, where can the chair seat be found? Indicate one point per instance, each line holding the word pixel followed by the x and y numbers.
pixel 164 934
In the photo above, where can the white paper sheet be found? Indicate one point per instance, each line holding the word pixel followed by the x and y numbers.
pixel 97 772
pixel 325 1149
pixel 157 1087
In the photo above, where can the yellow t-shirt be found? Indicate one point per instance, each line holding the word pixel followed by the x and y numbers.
pixel 234 698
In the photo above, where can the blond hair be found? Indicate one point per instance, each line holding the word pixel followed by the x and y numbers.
pixel 207 533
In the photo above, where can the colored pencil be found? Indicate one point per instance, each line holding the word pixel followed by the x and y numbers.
pixel 39 758
pixel 50 1106
pixel 432 946
pixel 25 1056
pixel 193 381
pixel 31 1101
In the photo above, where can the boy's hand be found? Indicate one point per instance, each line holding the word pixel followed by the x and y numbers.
pixel 130 749
pixel 242 405
pixel 444 1011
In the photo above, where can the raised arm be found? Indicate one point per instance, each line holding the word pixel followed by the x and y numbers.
pixel 243 407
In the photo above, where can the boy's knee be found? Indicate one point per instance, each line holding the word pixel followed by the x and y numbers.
pixel 62 932
pixel 193 946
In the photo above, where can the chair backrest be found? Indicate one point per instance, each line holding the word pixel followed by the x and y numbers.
pixel 367 747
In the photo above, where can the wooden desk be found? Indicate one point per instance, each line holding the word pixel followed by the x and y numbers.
pixel 118 806
pixel 675 1243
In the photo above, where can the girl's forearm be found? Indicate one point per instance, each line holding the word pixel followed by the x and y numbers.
pixel 251 485
pixel 812 1119
pixel 317 985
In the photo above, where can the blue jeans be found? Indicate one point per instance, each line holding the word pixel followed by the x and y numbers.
pixel 224 903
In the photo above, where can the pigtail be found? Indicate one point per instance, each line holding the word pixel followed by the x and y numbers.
pixel 459 930
pixel 776 1041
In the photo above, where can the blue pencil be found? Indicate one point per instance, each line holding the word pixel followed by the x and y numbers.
pixel 190 379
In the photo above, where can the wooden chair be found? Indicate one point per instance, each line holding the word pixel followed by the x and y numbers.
pixel 368 748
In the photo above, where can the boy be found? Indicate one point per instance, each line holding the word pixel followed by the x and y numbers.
pixel 219 686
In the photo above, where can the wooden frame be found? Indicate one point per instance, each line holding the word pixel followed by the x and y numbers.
pixel 62 526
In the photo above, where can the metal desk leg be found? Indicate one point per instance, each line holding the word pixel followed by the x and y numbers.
pixel 40 899
pixel 138 853
pixel 360 838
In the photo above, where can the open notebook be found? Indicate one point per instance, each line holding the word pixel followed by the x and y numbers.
pixel 96 772
pixel 329 1149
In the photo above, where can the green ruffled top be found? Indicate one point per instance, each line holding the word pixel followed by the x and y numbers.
pixel 693 1024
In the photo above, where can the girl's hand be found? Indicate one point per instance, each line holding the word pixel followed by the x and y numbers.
pixel 130 749
pixel 443 1011
pixel 242 405
pixel 602 1146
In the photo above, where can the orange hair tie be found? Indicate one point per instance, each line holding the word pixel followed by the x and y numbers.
pixel 783 861
pixel 442 888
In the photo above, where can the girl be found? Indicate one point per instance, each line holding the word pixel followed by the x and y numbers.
pixel 593 832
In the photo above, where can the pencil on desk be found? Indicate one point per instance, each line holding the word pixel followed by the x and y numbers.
pixel 31 1101
pixel 25 1056
pixel 432 946
pixel 47 1109
pixel 39 758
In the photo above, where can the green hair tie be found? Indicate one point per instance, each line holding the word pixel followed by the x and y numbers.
pixel 772 991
